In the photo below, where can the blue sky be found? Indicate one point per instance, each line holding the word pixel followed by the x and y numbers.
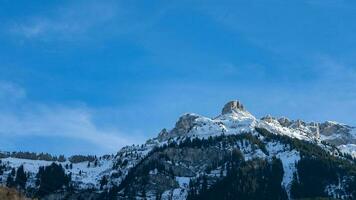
pixel 93 76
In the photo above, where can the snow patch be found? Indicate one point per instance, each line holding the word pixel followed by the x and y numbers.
pixel 348 149
pixel 288 158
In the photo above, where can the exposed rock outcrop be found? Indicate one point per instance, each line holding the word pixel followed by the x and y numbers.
pixel 337 133
pixel 232 106
pixel 285 122
pixel 184 124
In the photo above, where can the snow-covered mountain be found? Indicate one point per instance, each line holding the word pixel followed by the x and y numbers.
pixel 234 119
pixel 200 148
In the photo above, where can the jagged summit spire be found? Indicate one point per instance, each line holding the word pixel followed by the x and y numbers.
pixel 232 106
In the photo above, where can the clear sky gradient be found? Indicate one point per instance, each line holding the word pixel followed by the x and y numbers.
pixel 93 76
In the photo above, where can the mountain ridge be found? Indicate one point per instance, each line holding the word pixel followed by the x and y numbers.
pixel 191 133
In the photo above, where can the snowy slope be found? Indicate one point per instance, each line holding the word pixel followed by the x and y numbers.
pixel 82 175
pixel 233 120
pixel 238 120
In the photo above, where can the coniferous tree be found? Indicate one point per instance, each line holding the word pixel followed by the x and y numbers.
pixel 313 176
pixel 103 182
pixel 52 178
pixel 253 180
pixel 10 182
pixel 13 172
pixel 21 177
pixel 112 194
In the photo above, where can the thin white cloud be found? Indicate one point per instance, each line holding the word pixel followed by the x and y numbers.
pixel 87 20
pixel 10 91
pixel 328 3
pixel 60 121
pixel 67 21
pixel 35 119
pixel 333 70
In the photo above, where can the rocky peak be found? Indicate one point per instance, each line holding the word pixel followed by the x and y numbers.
pixel 232 106
pixel 268 118
pixel 299 123
pixel 285 122
pixel 163 133
pixel 184 124
pixel 329 127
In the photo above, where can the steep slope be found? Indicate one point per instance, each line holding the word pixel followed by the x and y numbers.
pixel 337 134
pixel 200 155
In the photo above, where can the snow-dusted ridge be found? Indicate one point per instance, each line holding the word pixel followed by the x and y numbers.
pixel 233 120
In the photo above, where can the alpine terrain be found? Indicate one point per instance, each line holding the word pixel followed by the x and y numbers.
pixel 232 156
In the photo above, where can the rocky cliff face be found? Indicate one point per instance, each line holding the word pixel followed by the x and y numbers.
pixel 234 118
pixel 231 107
pixel 200 149
pixel 332 132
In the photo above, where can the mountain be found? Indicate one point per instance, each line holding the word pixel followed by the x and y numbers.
pixel 232 156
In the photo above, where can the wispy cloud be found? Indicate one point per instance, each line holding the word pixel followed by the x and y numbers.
pixel 10 91
pixel 334 75
pixel 330 95
pixel 28 118
pixel 67 22
pixel 82 20
pixel 331 3
pixel 331 68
